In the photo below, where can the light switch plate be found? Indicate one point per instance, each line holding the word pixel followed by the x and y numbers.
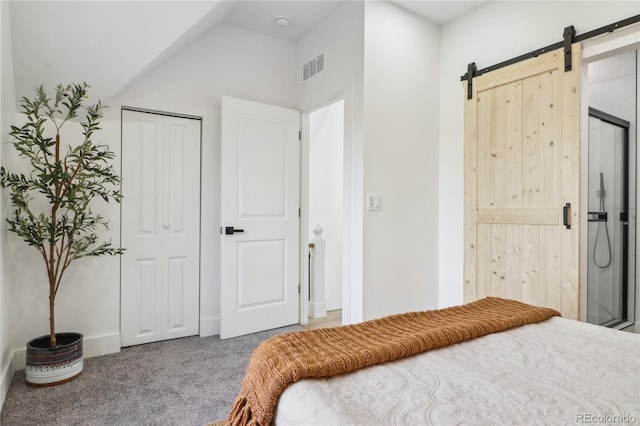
pixel 374 202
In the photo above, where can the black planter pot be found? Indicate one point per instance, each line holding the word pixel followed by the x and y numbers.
pixel 47 366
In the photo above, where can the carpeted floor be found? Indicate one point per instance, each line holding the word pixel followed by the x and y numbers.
pixel 189 381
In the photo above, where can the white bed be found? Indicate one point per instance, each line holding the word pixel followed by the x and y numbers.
pixel 556 372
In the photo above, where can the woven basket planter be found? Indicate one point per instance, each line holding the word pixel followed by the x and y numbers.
pixel 47 366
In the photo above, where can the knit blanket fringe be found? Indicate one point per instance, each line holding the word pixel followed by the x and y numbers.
pixel 289 357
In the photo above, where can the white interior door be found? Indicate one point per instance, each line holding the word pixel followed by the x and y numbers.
pixel 160 279
pixel 260 200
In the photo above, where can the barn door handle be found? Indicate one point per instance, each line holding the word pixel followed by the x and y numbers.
pixel 565 215
pixel 230 230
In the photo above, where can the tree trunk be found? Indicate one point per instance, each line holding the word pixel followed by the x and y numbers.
pixel 53 272
pixel 52 319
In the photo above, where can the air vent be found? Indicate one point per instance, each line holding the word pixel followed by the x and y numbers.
pixel 312 68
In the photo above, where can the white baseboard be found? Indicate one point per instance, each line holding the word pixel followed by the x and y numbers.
pixel 6 376
pixel 209 326
pixel 92 346
pixel 317 310
pixel 102 345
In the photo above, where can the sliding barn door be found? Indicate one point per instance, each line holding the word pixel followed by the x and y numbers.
pixel 522 140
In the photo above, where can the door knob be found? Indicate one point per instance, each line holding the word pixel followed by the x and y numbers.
pixel 230 230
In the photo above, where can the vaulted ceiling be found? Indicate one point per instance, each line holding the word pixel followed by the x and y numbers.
pixel 111 43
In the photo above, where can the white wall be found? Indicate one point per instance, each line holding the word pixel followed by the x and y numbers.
pixel 390 148
pixel 340 36
pixel 225 61
pixel 400 160
pixel 326 151
pixel 495 32
pixel 7 116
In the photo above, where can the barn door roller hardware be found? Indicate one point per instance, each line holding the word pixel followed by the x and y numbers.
pixel 471 72
pixel 569 33
pixel 569 37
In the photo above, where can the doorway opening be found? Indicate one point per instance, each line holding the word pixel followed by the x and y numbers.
pixel 323 229
pixel 611 200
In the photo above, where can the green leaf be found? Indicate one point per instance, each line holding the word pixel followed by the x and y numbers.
pixel 51 202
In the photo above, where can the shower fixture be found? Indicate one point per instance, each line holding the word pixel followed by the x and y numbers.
pixel 601 218
pixel 610 241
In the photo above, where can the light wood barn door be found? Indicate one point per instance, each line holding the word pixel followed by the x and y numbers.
pixel 522 139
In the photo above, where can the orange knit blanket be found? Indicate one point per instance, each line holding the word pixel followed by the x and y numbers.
pixel 289 357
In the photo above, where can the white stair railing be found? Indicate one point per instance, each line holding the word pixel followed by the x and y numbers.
pixel 317 303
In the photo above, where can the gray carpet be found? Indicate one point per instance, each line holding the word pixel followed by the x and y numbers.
pixel 188 381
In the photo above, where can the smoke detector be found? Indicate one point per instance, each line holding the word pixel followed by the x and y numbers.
pixel 281 21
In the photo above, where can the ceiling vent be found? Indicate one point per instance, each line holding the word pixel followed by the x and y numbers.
pixel 312 68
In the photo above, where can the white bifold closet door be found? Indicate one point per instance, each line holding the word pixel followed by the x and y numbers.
pixel 160 279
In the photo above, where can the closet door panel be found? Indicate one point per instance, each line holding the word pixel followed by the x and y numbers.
pixel 160 279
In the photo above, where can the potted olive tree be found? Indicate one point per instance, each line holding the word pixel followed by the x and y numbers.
pixel 52 213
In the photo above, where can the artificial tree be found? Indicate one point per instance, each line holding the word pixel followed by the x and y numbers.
pixel 52 201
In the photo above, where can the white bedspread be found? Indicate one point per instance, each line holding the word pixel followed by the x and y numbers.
pixel 556 372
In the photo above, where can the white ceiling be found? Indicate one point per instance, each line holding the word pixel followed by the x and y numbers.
pixel 439 12
pixel 110 44
pixel 104 43
pixel 259 16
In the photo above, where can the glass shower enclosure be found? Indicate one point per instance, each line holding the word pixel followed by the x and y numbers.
pixel 608 220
